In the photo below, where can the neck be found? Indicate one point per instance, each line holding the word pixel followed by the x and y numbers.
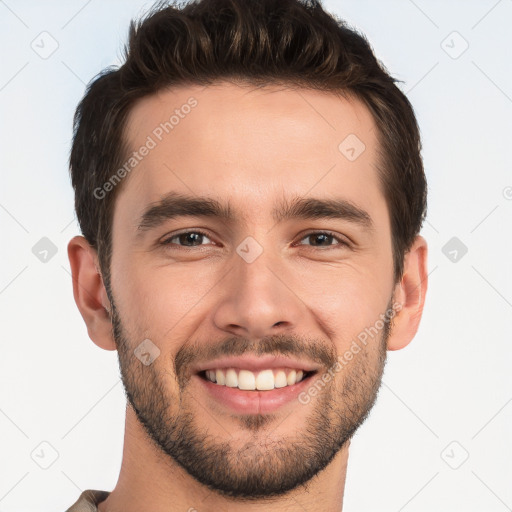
pixel 150 480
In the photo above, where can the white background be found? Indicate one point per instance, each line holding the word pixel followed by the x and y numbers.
pixel 452 383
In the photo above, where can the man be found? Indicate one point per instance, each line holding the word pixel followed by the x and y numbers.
pixel 250 190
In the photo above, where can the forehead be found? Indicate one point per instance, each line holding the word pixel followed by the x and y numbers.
pixel 250 145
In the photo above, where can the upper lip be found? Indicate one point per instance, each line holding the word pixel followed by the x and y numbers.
pixel 255 363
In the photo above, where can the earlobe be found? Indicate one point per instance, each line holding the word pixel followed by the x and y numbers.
pixel 89 292
pixel 410 293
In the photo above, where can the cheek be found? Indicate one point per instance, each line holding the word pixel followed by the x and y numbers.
pixel 157 300
pixel 346 302
pixel 165 301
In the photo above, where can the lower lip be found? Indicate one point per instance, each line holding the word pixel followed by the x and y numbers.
pixel 254 402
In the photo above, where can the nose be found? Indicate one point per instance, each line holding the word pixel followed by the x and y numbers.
pixel 258 299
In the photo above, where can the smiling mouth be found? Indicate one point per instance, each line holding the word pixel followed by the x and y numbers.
pixel 263 380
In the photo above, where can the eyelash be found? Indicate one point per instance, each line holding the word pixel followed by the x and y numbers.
pixel 341 242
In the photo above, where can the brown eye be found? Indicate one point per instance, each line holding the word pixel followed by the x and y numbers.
pixel 187 239
pixel 323 239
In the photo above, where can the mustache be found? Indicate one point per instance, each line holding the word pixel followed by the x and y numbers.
pixel 301 347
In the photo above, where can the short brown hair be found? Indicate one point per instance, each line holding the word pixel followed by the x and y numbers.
pixel 259 42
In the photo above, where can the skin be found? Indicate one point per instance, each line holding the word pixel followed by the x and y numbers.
pixel 253 147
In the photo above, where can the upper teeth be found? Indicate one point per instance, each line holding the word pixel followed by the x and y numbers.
pixel 247 380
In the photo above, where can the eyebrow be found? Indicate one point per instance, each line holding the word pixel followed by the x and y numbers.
pixel 175 205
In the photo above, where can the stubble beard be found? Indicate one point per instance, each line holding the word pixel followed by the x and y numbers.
pixel 261 467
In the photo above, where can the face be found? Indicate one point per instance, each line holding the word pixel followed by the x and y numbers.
pixel 282 260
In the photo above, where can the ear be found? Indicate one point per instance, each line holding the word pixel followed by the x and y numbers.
pixel 89 292
pixel 410 293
